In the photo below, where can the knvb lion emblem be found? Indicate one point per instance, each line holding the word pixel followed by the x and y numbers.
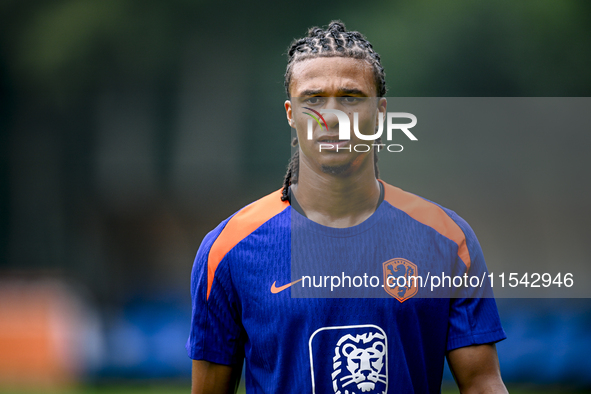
pixel 359 364
pixel 400 278
pixel 349 360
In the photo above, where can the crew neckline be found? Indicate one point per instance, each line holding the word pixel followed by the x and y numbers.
pixel 299 219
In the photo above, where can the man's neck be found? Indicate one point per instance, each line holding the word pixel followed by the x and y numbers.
pixel 335 200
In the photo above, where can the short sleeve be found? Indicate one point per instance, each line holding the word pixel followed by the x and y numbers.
pixel 216 333
pixel 473 317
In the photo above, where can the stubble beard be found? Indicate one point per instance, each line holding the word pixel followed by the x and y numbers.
pixel 335 170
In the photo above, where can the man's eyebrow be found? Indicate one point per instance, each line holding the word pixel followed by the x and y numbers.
pixel 311 92
pixel 352 91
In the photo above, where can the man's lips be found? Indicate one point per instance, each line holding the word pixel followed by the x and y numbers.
pixel 333 142
pixel 329 139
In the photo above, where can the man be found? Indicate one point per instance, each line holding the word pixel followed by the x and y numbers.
pixel 245 303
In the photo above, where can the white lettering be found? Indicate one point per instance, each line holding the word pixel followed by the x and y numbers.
pixel 344 123
pixel 378 145
pixel 394 151
pixel 355 281
pixel 371 137
pixel 377 281
pixel 403 127
pixel 367 146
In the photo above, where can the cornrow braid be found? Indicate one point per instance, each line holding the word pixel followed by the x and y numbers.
pixel 291 176
pixel 334 41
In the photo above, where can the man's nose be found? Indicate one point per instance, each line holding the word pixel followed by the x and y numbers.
pixel 332 120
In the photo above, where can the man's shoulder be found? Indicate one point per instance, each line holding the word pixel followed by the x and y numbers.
pixel 253 215
pixel 247 220
pixel 420 208
pixel 443 220
pixel 228 234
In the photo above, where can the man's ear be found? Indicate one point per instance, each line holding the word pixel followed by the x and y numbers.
pixel 382 105
pixel 289 113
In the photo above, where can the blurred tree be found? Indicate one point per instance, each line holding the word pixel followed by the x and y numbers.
pixel 69 64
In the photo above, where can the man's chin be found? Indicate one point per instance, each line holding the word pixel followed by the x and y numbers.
pixel 335 169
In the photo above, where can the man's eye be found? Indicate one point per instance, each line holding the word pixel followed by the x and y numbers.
pixel 350 100
pixel 313 100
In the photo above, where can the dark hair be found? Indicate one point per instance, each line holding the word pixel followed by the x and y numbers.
pixel 334 41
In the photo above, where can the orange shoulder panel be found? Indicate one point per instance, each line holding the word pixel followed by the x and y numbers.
pixel 247 220
pixel 430 215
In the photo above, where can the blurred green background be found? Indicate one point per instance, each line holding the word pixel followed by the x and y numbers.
pixel 129 129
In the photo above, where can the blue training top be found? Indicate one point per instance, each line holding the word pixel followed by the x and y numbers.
pixel 250 302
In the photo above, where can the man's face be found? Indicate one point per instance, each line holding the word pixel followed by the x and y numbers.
pixel 345 84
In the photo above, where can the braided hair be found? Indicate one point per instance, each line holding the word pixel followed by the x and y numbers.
pixel 334 41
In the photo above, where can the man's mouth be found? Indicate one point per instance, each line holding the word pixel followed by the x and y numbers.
pixel 330 144
pixel 330 139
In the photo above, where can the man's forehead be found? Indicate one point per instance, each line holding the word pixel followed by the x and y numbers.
pixel 332 75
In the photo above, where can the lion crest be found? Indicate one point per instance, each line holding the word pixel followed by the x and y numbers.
pixel 359 364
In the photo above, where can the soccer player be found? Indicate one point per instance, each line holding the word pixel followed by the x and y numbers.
pixel 334 207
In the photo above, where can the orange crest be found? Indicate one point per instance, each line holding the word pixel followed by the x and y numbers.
pixel 401 279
